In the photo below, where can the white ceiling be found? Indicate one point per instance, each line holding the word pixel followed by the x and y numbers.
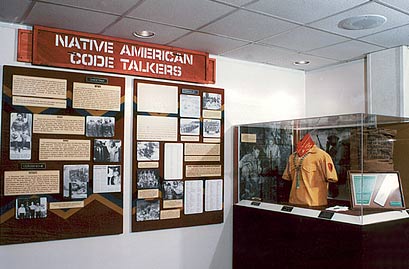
pixel 276 32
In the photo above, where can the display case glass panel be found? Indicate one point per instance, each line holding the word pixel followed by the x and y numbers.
pixel 354 165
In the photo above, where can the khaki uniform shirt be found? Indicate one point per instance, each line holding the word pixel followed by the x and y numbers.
pixel 317 169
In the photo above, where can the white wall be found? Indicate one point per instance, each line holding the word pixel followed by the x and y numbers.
pixel 405 80
pixel 385 87
pixel 339 89
pixel 253 93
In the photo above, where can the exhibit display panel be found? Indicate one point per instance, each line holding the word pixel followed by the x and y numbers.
pixel 325 192
pixel 61 155
pixel 178 160
pixel 352 165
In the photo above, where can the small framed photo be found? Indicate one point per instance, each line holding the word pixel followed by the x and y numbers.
pixel 376 190
pixel 147 210
pixel 189 126
pixel 148 179
pixel 31 208
pixel 107 150
pixel 76 178
pixel 212 101
pixel 147 151
pixel 100 126
pixel 211 128
pixel 172 190
pixel 189 106
pixel 106 178
pixel 20 136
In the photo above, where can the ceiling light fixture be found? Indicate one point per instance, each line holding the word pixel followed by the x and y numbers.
pixel 143 34
pixel 301 63
pixel 362 22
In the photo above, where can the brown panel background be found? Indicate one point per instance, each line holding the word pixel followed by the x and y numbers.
pixel 102 213
pixel 185 220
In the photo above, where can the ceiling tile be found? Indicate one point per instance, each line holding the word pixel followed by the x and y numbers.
pixel 345 51
pixel 394 18
pixel 238 3
pixel 257 53
pixel 401 4
pixel 207 43
pixel 68 18
pixel 303 11
pixel 390 38
pixel 189 14
pixel 117 7
pixel 304 39
pixel 247 25
pixel 12 10
pixel 288 61
pixel 163 34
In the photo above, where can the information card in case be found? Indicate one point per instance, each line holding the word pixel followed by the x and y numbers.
pixel 287 208
pixel 326 215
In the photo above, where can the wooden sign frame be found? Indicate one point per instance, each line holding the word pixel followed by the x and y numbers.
pixel 85 51
pixel 74 208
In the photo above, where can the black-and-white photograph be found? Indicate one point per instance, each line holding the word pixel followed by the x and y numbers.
pixel 100 126
pixel 106 178
pixel 20 136
pixel 148 179
pixel 262 163
pixel 212 101
pixel 189 106
pixel 147 151
pixel 211 128
pixel 147 210
pixel 172 190
pixel 189 126
pixel 31 208
pixel 107 150
pixel 76 179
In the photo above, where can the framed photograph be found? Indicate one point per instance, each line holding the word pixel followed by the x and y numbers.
pixel 31 208
pixel 172 190
pixel 100 126
pixel 147 151
pixel 147 210
pixel 376 190
pixel 20 136
pixel 107 150
pixel 212 101
pixel 148 179
pixel 76 178
pixel 189 106
pixel 106 178
pixel 211 128
pixel 189 126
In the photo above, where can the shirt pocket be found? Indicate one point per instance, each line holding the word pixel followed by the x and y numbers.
pixel 309 172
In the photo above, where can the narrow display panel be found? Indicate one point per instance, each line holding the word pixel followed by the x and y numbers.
pixel 178 162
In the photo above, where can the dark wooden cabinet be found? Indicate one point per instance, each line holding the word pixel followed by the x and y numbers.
pixel 271 239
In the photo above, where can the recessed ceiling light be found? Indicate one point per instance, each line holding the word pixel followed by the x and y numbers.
pixel 362 22
pixel 301 62
pixel 143 34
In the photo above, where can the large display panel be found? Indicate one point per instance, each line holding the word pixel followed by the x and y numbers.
pixel 178 157
pixel 61 155
pixel 354 164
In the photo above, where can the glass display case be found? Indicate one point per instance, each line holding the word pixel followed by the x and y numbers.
pixel 325 192
pixel 350 166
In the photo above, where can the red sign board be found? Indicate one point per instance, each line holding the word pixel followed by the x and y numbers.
pixel 77 50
